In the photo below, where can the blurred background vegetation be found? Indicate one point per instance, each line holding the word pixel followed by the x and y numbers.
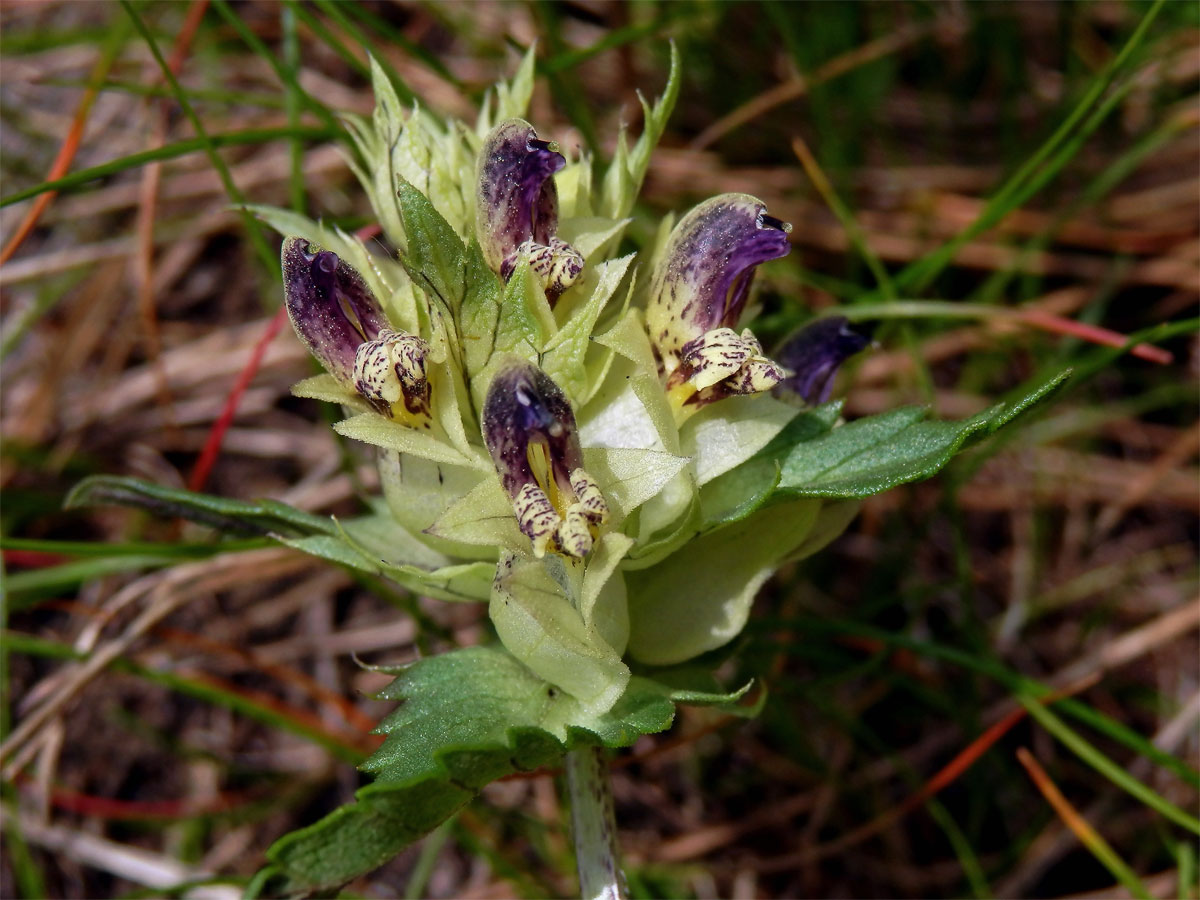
pixel 173 702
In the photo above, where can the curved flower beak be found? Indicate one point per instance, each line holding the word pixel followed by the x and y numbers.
pixel 814 354
pixel 344 327
pixel 331 307
pixel 530 431
pixel 698 292
pixel 516 208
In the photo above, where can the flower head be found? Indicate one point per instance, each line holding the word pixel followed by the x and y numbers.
pixel 344 327
pixel 813 355
pixel 697 295
pixel 530 432
pixel 516 212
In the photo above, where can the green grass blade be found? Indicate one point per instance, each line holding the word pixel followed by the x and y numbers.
pixel 167 151
pixel 189 687
pixel 336 11
pixel 208 95
pixel 344 53
pixel 1027 180
pixel 431 847
pixel 566 88
pixel 993 669
pixel 961 845
pixel 1106 766
pixel 132 548
pixel 392 35
pixel 292 104
pixel 618 37
pixel 285 76
pixel 253 227
pixel 25 870
pixel 54 578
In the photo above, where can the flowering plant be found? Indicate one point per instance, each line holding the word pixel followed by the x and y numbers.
pixel 583 440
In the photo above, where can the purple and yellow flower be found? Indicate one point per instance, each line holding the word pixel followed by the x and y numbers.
pixel 530 432
pixel 516 209
pixel 698 292
pixel 343 325
pixel 813 355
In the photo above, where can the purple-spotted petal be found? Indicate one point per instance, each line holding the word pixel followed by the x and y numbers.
pixel 702 281
pixel 331 307
pixel 814 354
pixel 516 200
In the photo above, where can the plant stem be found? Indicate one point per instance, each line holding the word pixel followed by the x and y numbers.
pixel 593 826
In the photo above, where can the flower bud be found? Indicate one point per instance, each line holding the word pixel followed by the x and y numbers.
pixel 697 295
pixel 814 354
pixel 516 208
pixel 331 307
pixel 530 431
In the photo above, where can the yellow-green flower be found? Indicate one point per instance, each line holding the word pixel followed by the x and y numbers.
pixel 697 296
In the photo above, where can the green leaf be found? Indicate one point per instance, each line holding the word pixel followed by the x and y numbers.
pixel 436 257
pixel 483 517
pixel 726 434
pixel 740 491
pixel 631 477
pixel 633 410
pixel 526 322
pixel 419 492
pixel 602 598
pixel 378 544
pixel 870 455
pixel 327 388
pixel 563 359
pixel 466 718
pixel 237 516
pixel 511 99
pixel 479 314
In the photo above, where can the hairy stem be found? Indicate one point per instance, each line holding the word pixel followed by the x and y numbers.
pixel 593 826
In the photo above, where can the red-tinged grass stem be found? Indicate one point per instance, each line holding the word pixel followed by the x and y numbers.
pixel 1080 827
pixel 212 446
pixel 70 145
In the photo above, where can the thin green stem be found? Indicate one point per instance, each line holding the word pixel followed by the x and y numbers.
pixel 594 827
